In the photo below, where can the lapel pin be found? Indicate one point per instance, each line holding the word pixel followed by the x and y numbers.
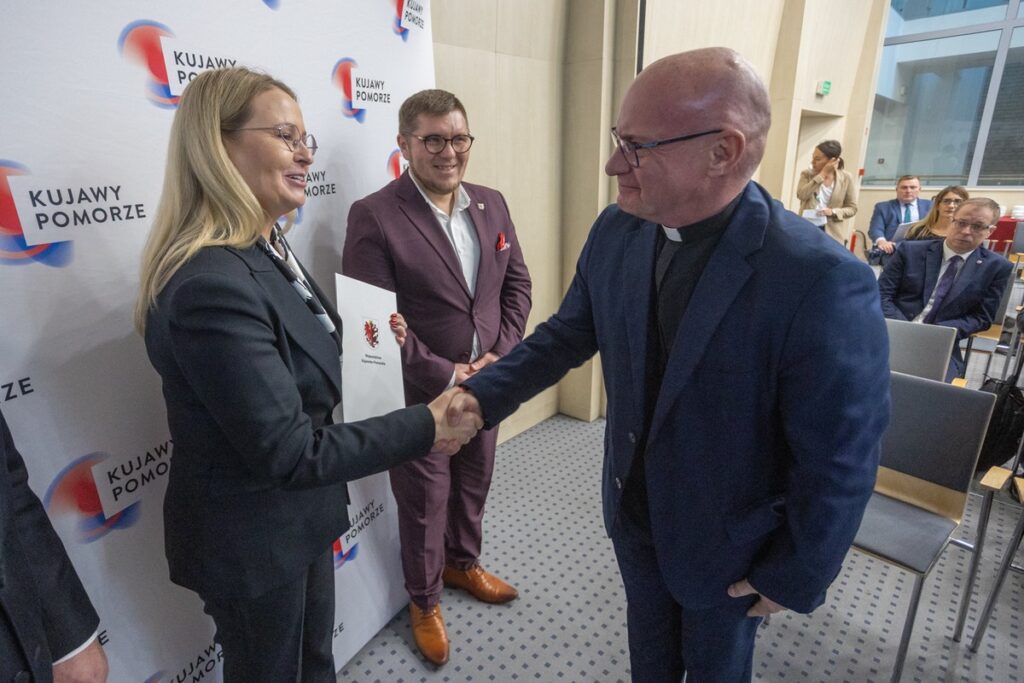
pixel 480 205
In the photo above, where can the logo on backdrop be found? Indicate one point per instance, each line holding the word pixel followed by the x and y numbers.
pixel 272 4
pixel 74 491
pixel 359 92
pixel 139 42
pixel 341 76
pixel 317 185
pixel 341 556
pixel 58 209
pixel 201 665
pixel 407 13
pixel 14 250
pixel 396 163
pixel 346 547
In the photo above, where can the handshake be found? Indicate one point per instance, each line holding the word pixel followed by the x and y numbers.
pixel 457 419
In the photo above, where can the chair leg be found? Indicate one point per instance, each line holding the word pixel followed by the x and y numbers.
pixel 972 572
pixel 908 627
pixel 1004 569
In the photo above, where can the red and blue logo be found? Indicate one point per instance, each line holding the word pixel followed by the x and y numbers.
pixel 397 26
pixel 140 43
pixel 395 164
pixel 73 491
pixel 341 76
pixel 14 251
pixel 156 678
pixel 341 557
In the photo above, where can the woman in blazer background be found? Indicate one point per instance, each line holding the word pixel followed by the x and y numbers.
pixel 828 189
pixel 248 349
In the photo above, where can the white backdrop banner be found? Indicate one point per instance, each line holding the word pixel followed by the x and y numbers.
pixel 91 89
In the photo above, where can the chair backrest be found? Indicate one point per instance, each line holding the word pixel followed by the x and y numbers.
pixel 932 444
pixel 1004 302
pixel 1018 239
pixel 920 350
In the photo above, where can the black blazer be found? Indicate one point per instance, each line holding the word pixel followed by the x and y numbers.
pixel 44 610
pixel 257 489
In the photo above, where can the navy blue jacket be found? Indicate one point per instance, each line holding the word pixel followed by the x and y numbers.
pixel 888 215
pixel 764 440
pixel 909 277
pixel 44 610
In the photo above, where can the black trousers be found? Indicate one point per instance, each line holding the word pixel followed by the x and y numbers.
pixel 283 635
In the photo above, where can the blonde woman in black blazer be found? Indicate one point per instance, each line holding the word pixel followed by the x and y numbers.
pixel 248 349
pixel 829 189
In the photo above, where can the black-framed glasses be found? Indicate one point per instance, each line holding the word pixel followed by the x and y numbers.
pixel 630 149
pixel 975 227
pixel 289 132
pixel 435 144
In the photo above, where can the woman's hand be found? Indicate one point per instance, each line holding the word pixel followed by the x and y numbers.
pixel 825 212
pixel 399 327
pixel 451 434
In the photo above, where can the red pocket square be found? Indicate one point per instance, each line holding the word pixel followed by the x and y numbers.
pixel 502 245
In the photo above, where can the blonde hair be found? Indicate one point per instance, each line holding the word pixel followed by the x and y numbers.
pixel 205 201
pixel 922 229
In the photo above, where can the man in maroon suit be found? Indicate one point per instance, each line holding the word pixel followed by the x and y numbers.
pixel 449 251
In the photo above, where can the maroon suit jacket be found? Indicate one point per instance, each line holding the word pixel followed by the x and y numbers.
pixel 394 241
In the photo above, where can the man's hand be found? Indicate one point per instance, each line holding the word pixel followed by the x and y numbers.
pixel 88 666
pixel 463 371
pixel 462 405
pixel 762 608
pixel 885 245
pixel 483 361
pixel 453 430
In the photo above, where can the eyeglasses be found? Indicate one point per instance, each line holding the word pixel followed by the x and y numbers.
pixel 975 227
pixel 289 132
pixel 952 201
pixel 629 149
pixel 435 144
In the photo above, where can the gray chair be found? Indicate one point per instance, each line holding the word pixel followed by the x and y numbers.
pixel 988 341
pixel 929 453
pixel 920 350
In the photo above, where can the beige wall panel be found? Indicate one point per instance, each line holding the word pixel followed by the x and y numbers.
pixel 532 28
pixel 583 31
pixel 529 174
pixel 465 23
pixel 833 39
pixel 750 28
pixel 471 75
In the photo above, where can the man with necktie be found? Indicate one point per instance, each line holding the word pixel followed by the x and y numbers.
pixel 954 282
pixel 888 215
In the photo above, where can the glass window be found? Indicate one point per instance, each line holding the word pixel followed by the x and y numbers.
pixel 1003 163
pixel 928 108
pixel 907 17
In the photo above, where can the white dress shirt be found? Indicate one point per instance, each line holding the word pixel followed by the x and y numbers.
pixel 947 254
pixel 461 234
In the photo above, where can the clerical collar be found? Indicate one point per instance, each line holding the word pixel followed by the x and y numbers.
pixel 703 228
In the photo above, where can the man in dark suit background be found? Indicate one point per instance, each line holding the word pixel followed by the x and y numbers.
pixel 954 282
pixel 449 251
pixel 888 215
pixel 745 362
pixel 48 627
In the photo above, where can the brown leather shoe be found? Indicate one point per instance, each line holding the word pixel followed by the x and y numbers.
pixel 481 585
pixel 429 632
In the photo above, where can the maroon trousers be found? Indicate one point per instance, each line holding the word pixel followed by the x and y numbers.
pixel 440 513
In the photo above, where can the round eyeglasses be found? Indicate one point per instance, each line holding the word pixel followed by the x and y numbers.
pixel 435 144
pixel 289 132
